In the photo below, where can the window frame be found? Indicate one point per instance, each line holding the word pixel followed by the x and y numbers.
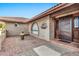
pixel 16 24
pixel 36 30
pixel 76 22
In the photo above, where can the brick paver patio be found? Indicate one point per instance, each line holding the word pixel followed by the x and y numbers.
pixel 14 46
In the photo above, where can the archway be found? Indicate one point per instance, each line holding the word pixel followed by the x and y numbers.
pixel 35 29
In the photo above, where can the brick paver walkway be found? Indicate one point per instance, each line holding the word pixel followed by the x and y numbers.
pixel 14 46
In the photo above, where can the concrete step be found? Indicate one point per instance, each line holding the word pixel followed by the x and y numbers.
pixel 46 51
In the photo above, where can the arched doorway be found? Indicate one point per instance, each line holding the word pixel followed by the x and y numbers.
pixel 35 29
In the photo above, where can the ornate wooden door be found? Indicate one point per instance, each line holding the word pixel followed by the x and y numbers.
pixel 65 29
pixel 76 29
pixel 76 35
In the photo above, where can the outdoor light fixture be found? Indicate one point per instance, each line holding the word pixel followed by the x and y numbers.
pixel 44 26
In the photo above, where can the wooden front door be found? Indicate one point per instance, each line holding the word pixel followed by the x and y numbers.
pixel 76 35
pixel 64 30
pixel 76 29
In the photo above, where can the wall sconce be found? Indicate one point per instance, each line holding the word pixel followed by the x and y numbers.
pixel 44 26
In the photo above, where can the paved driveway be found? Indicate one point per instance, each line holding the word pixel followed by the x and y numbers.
pixel 14 46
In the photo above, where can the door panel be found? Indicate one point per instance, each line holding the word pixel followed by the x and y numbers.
pixel 65 29
pixel 76 35
pixel 76 29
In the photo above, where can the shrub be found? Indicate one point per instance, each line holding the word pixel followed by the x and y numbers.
pixel 1 25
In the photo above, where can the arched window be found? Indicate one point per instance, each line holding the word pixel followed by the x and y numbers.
pixel 34 28
pixel 76 22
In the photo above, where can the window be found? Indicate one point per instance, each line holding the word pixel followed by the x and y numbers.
pixel 76 22
pixel 35 29
pixel 65 24
pixel 16 24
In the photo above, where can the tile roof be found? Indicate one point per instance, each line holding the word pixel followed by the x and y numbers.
pixel 14 19
pixel 43 14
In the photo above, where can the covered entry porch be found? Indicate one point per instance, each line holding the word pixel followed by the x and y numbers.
pixel 67 28
pixel 66 24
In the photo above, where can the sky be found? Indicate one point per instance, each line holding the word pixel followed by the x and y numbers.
pixel 27 10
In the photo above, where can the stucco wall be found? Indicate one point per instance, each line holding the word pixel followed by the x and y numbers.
pixel 43 33
pixel 13 30
pixel 52 28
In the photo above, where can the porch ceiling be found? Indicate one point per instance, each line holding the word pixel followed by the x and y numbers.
pixel 66 14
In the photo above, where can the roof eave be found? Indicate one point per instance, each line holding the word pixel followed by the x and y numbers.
pixel 51 10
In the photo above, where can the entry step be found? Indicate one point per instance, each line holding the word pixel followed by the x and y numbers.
pixel 46 51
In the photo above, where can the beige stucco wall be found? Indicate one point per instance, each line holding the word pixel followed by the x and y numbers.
pixel 43 33
pixel 52 28
pixel 13 30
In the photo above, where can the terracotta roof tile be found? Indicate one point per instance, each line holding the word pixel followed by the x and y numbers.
pixel 14 19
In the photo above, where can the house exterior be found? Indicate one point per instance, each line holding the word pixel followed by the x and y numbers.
pixel 58 23
pixel 35 28
pixel 13 27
